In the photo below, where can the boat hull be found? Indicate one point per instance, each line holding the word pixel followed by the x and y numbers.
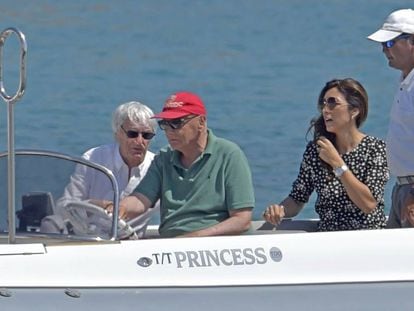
pixel 352 296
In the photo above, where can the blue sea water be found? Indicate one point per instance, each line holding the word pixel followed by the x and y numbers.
pixel 258 65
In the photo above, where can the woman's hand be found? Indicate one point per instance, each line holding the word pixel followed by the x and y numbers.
pixel 328 152
pixel 274 214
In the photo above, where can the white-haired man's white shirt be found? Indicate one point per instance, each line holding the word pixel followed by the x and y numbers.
pixel 89 184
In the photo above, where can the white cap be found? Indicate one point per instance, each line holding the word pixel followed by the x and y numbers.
pixel 398 22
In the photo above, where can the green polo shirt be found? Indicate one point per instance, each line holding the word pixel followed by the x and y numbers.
pixel 202 195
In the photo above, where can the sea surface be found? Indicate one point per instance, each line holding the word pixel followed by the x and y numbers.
pixel 259 65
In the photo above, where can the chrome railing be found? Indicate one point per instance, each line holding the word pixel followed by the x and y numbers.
pixel 10 101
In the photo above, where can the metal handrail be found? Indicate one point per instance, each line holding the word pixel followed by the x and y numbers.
pixel 10 101
pixel 23 51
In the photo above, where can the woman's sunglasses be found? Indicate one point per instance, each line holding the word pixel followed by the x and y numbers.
pixel 135 134
pixel 330 103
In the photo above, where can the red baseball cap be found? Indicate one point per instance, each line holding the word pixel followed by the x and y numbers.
pixel 182 104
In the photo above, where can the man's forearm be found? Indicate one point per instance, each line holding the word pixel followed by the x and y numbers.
pixel 133 206
pixel 238 223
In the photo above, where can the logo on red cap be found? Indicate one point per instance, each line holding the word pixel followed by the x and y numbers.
pixel 171 102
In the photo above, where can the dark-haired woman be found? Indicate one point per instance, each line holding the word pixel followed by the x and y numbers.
pixel 347 169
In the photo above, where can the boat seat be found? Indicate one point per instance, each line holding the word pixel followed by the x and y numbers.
pixel 286 226
pixel 35 206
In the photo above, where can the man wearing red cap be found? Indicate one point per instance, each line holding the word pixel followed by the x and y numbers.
pixel 203 182
pixel 397 39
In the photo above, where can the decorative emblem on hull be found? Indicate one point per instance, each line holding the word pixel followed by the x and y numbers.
pixel 5 292
pixel 276 254
pixel 144 262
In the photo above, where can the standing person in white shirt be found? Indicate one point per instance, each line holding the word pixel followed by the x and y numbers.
pixel 128 158
pixel 397 38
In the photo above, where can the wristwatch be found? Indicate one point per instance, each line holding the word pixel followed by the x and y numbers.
pixel 338 171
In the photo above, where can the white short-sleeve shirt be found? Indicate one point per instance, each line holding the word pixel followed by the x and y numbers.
pixel 400 138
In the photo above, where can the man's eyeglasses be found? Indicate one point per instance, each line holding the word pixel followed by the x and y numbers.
pixel 135 134
pixel 390 43
pixel 330 103
pixel 174 124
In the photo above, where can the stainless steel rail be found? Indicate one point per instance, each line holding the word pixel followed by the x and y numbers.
pixel 10 101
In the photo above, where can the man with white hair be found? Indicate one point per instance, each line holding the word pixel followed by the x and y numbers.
pixel 397 39
pixel 128 158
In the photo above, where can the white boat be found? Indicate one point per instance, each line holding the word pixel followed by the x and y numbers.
pixel 291 268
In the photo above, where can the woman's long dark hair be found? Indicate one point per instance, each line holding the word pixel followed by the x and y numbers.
pixel 354 94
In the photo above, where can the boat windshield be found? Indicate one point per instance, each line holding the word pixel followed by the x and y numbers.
pixel 52 197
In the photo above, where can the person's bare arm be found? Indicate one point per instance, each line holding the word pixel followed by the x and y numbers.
pixel 274 213
pixel 407 210
pixel 133 205
pixel 238 222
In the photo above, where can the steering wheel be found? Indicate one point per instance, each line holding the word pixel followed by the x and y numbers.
pixel 89 219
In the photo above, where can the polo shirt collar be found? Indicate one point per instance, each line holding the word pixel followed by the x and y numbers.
pixel 211 141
